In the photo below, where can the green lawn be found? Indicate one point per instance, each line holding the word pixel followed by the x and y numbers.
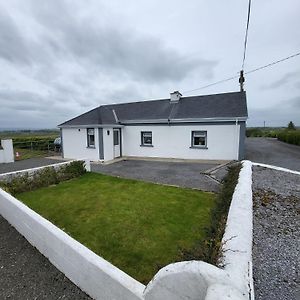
pixel 138 226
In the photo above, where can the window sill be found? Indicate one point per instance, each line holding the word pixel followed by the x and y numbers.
pixel 146 145
pixel 91 147
pixel 194 147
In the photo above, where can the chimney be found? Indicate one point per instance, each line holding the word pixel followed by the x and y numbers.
pixel 175 96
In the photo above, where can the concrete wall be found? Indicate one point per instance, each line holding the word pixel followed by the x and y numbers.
pixel 194 280
pixel 6 151
pixel 75 144
pixel 197 280
pixel 10 175
pixel 93 274
pixel 175 141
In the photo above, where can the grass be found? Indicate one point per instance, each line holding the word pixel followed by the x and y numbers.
pixel 28 153
pixel 138 226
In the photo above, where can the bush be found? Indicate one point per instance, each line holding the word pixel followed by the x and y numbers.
pixel 44 178
pixel 290 136
pixel 209 249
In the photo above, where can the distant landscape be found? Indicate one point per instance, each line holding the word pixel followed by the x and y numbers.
pixel 289 134
pixel 29 143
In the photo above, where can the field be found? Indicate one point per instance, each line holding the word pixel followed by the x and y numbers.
pixel 138 226
pixel 282 134
pixel 32 143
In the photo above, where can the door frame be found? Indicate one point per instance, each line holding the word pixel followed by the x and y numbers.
pixel 120 141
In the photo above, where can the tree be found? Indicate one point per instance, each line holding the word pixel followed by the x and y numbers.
pixel 291 126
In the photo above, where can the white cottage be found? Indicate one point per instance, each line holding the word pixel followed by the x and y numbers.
pixel 210 127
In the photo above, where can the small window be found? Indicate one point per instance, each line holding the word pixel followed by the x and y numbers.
pixel 91 137
pixel 116 138
pixel 199 139
pixel 146 138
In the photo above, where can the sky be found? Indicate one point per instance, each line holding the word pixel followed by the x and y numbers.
pixel 61 58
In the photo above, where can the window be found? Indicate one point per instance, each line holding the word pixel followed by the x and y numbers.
pixel 146 137
pixel 91 137
pixel 116 137
pixel 199 139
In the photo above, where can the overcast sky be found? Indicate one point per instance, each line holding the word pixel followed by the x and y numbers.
pixel 59 58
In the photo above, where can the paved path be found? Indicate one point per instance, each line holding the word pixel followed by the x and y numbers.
pixel 27 164
pixel 182 174
pixel 26 274
pixel 273 152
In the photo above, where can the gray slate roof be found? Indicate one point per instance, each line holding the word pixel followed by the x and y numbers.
pixel 218 106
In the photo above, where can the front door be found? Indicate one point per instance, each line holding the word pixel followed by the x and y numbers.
pixel 117 143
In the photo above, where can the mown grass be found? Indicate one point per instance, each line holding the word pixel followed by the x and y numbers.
pixel 138 226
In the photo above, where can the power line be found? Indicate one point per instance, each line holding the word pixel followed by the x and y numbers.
pixel 248 72
pixel 246 34
pixel 273 63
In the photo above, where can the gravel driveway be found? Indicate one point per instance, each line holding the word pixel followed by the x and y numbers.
pixel 276 235
pixel 27 164
pixel 184 174
pixel 273 152
pixel 26 274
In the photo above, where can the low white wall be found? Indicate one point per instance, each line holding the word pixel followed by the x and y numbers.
pixel 175 142
pixel 10 175
pixel 74 143
pixel 7 151
pixel 93 274
pixel 196 280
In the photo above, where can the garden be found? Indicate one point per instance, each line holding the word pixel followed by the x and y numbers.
pixel 139 227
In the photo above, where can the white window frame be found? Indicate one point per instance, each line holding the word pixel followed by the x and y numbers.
pixel 146 134
pixel 89 133
pixel 199 133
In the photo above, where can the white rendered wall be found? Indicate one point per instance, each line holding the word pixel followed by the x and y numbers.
pixel 75 144
pixel 7 153
pixel 175 142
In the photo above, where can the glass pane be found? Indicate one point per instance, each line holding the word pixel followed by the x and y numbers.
pixel 90 131
pixel 116 137
pixel 91 140
pixel 199 141
pixel 147 140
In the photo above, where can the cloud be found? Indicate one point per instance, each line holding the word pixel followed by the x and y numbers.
pixel 114 48
pixel 286 79
pixel 13 47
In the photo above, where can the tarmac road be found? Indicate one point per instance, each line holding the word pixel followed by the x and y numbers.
pixel 273 152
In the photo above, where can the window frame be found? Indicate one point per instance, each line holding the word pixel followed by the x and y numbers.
pixel 89 144
pixel 143 144
pixel 199 133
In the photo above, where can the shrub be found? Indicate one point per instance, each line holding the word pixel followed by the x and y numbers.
pixel 290 136
pixel 209 249
pixel 44 178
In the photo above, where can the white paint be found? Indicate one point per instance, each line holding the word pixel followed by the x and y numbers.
pixel 193 280
pixel 276 168
pixel 75 144
pixel 93 274
pixel 174 141
pixel 108 144
pixel 237 239
pixel 7 151
pixel 10 175
pixel 198 280
pixel 117 146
